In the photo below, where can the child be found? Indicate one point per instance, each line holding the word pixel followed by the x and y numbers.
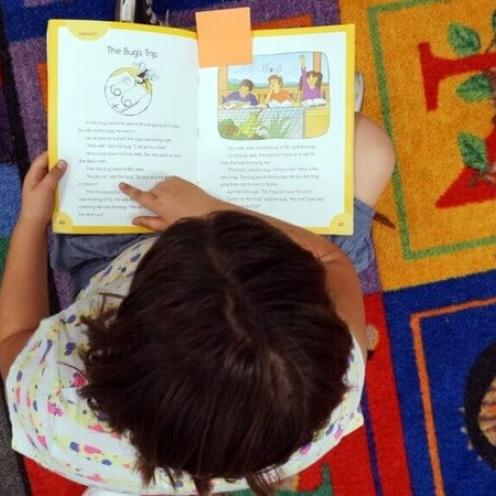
pixel 226 352
pixel 310 82
pixel 242 97
pixel 277 96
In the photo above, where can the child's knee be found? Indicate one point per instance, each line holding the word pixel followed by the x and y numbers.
pixel 375 145
pixel 387 153
pixel 374 159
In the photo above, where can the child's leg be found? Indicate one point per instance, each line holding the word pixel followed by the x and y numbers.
pixel 82 256
pixel 374 163
pixel 374 160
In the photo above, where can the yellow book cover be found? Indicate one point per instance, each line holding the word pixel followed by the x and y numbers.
pixel 129 102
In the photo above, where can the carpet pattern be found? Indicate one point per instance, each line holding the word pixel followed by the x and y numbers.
pixel 430 101
pixel 429 69
pixel 430 72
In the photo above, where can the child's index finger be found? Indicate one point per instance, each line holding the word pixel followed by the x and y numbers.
pixel 144 198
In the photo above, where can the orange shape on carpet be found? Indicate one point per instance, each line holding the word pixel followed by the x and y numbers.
pixel 43 82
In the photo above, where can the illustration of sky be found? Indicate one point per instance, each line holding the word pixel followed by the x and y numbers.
pixel 286 65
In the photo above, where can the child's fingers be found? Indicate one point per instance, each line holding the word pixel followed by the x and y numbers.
pixel 37 171
pixel 144 198
pixel 51 179
pixel 153 223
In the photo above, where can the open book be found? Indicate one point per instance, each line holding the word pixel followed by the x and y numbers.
pixel 129 103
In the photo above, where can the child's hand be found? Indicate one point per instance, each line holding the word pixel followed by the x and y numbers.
pixel 38 191
pixel 171 200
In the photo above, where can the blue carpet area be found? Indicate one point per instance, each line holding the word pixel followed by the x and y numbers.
pixel 460 325
pixel 10 194
pixel 31 22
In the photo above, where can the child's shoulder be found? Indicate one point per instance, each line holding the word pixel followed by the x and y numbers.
pixel 61 338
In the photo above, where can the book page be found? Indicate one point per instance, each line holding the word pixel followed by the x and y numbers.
pixel 123 108
pixel 276 135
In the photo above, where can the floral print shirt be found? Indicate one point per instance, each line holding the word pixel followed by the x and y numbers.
pixel 55 427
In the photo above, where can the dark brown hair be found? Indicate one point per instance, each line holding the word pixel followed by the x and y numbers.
pixel 247 83
pixel 276 77
pixel 318 75
pixel 225 357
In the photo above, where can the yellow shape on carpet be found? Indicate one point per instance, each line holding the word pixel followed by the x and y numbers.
pixel 432 240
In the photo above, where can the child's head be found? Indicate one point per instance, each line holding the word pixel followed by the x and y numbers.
pixel 314 79
pixel 275 82
pixel 225 357
pixel 245 87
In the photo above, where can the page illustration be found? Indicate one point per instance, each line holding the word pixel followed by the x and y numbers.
pixel 129 90
pixel 278 96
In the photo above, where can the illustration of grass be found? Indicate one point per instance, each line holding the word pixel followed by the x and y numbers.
pixel 253 128
pixel 249 127
pixel 278 128
pixel 228 129
pixel 246 130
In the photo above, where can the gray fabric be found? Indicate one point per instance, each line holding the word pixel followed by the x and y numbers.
pixel 358 246
pixel 84 256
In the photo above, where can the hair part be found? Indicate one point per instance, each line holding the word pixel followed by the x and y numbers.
pixel 225 357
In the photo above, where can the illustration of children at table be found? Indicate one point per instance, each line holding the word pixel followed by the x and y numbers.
pixel 277 96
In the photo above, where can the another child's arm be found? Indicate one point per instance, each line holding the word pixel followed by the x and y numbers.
pixel 24 293
pixel 268 98
pixel 303 64
pixel 303 71
pixel 176 198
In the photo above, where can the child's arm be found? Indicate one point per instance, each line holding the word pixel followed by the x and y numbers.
pixel 24 293
pixel 176 198
pixel 268 98
pixel 303 64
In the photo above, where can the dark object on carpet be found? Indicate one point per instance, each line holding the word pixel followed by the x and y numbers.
pixel 384 220
pixel 131 11
pixel 16 148
pixel 480 405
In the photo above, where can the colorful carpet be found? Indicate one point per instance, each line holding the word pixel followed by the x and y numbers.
pixel 430 71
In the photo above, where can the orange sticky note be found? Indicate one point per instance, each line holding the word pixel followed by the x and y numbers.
pixel 224 37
